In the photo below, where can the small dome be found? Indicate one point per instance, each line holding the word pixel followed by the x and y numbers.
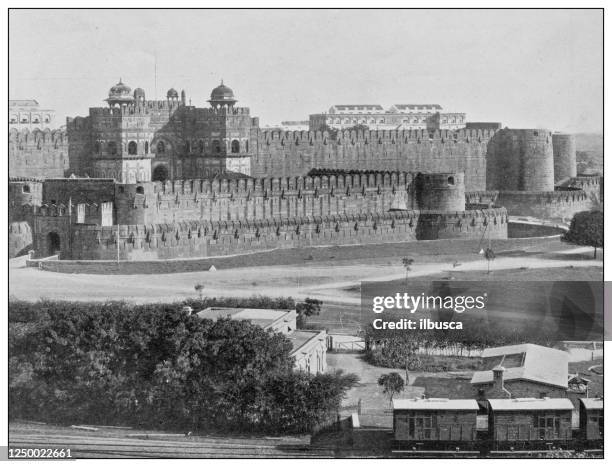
pixel 119 89
pixel 221 92
pixel 120 94
pixel 172 94
pixel 139 93
pixel 222 95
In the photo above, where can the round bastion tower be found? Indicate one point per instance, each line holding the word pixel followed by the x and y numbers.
pixel 440 191
pixel 564 152
pixel 521 160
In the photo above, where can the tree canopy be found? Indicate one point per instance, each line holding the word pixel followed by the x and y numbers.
pixel 586 229
pixel 158 367
pixel 392 383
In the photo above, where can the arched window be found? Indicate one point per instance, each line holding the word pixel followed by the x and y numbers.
pixel 146 147
pixel 26 189
pixel 216 146
pixel 160 173
pixel 97 147
pixel 235 146
pixel 140 190
pixel 24 119
pixel 161 147
pixel 47 118
pixel 132 148
pixel 112 148
pixel 13 118
pixel 36 119
pixel 451 180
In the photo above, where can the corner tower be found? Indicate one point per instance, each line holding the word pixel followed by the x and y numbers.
pixel 232 131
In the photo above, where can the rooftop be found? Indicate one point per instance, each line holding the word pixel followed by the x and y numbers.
pixel 592 403
pixel 417 106
pixel 435 404
pixel 358 106
pixel 23 103
pixel 300 338
pixel 525 362
pixel 530 403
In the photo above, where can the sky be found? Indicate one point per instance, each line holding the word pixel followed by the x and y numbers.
pixel 523 68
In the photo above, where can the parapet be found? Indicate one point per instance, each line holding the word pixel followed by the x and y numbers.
pixel 277 184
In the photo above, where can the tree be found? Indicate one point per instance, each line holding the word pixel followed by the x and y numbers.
pixel 407 263
pixel 586 229
pixel 199 288
pixel 489 255
pixel 309 307
pixel 392 384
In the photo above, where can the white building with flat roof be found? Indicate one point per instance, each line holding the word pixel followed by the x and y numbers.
pixel 396 117
pixel 27 114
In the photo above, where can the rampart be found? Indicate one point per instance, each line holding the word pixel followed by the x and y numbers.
pixel 297 152
pixel 286 197
pixel 216 238
pixel 39 153
pixel 262 198
pixel 559 204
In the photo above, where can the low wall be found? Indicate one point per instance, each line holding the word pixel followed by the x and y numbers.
pixel 556 205
pixel 526 230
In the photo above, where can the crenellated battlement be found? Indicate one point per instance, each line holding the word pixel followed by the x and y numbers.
pixel 220 237
pixel 278 184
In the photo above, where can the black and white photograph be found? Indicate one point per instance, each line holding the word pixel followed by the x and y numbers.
pixel 309 233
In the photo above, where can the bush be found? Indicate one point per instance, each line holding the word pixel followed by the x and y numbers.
pixel 157 367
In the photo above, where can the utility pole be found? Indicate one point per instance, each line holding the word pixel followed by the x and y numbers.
pixel 117 243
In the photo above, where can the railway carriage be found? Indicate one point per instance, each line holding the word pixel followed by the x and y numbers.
pixel 591 423
pixel 530 423
pixel 435 424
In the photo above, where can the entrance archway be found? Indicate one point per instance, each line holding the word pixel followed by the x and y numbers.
pixel 53 244
pixel 160 173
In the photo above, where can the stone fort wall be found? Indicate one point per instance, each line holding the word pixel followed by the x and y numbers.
pixel 285 197
pixel 217 238
pixel 281 154
pixel 559 205
pixel 38 153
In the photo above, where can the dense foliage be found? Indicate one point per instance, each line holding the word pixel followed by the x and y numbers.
pixel 156 366
pixel 395 348
pixel 586 229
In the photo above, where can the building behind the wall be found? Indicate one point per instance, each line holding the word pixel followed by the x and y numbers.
pixel 397 117
pixel 26 114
